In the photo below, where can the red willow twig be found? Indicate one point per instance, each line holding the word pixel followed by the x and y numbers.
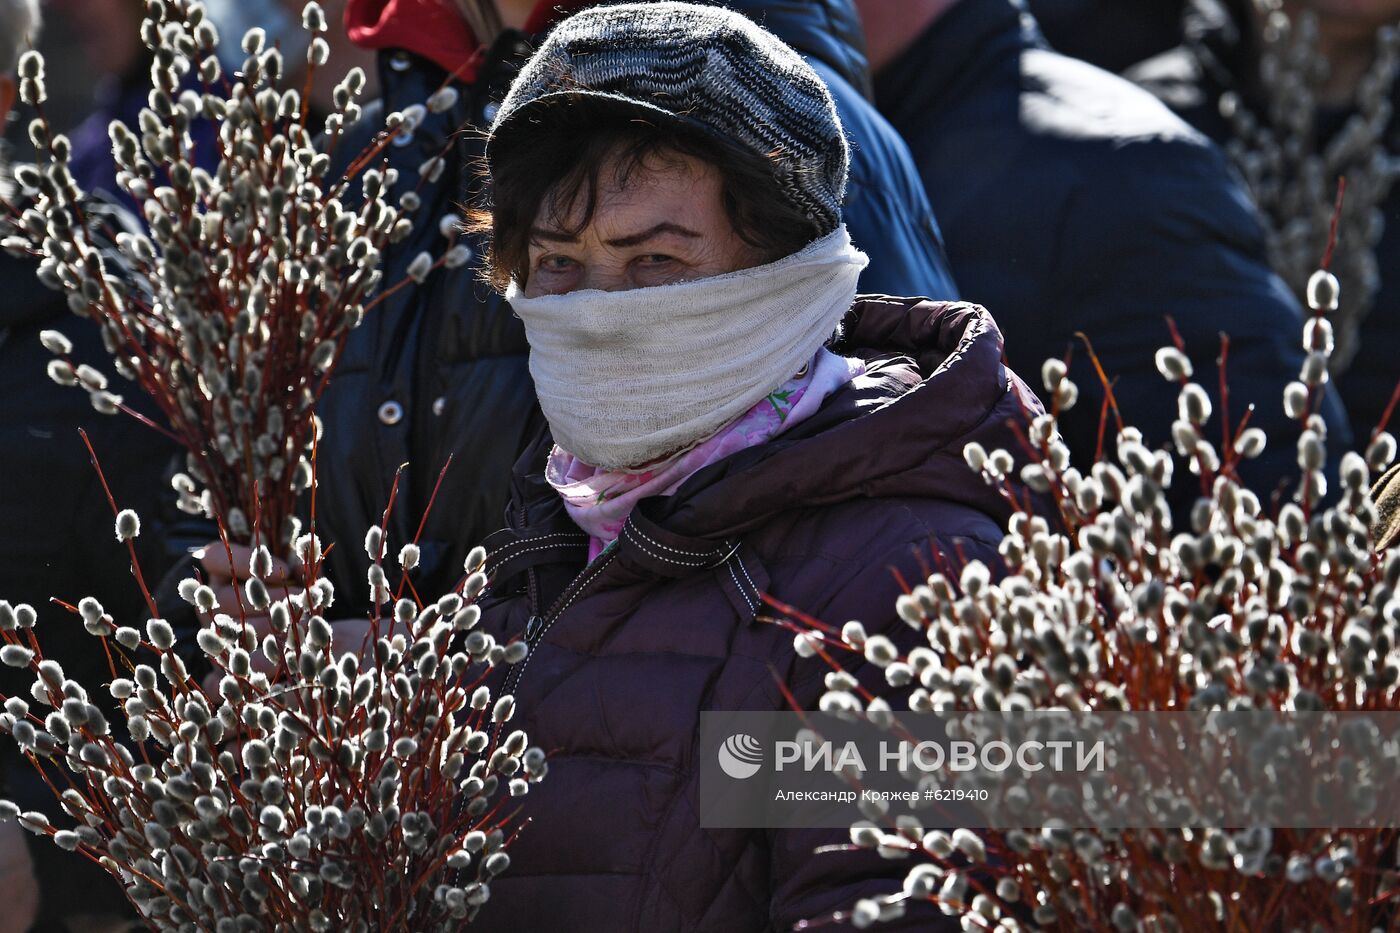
pixel 1104 381
pixel 131 542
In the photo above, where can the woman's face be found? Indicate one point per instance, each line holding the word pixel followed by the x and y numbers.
pixel 664 224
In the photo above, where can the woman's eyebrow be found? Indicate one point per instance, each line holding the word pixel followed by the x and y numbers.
pixel 633 239
pixel 666 226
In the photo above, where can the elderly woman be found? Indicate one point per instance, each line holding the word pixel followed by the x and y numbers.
pixel 726 420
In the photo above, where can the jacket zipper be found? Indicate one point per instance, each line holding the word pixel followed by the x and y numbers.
pixel 532 582
pixel 539 625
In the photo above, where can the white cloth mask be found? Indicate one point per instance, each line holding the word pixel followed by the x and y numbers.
pixel 627 377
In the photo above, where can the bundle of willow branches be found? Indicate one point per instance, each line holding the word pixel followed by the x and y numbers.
pixel 237 304
pixel 313 789
pixel 1255 606
pixel 306 789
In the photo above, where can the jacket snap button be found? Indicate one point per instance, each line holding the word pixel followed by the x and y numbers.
pixel 489 112
pixel 399 61
pixel 391 412
pixel 439 404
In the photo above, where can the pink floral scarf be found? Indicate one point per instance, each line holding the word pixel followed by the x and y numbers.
pixel 599 501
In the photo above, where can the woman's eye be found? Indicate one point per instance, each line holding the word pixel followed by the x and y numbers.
pixel 655 259
pixel 556 263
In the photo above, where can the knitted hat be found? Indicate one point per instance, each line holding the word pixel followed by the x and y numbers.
pixel 702 68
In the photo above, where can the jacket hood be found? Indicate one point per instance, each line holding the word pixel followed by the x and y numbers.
pixel 935 382
pixel 430 28
pixel 828 30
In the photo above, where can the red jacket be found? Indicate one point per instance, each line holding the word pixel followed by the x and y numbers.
pixel 435 29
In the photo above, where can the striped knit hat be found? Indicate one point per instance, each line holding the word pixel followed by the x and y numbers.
pixel 703 68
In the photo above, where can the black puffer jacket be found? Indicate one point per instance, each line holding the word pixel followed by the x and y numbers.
pixel 441 370
pixel 1109 33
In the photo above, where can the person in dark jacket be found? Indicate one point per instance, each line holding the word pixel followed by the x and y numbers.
pixel 1074 202
pixel 1293 136
pixel 438 370
pixel 56 527
pixel 1113 34
pixel 666 220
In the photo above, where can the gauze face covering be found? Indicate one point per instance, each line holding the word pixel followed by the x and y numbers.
pixel 627 377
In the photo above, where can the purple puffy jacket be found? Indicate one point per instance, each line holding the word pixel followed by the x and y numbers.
pixel 628 651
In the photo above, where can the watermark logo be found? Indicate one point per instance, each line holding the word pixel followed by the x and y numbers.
pixel 740 756
pixel 1109 770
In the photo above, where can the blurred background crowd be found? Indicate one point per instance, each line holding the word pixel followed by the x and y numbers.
pixel 1094 166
